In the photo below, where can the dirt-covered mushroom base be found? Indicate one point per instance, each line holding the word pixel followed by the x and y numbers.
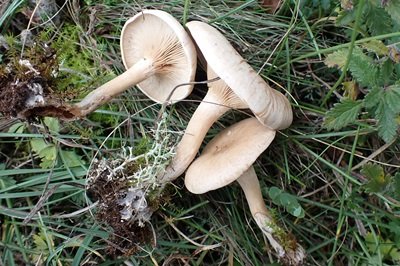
pixel 27 84
pixel 123 206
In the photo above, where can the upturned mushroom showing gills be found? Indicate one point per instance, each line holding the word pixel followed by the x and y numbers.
pixel 239 87
pixel 158 55
pixel 228 157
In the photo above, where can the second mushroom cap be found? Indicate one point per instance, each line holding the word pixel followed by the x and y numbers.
pixel 228 155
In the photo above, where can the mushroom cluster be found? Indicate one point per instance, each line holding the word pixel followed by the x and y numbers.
pixel 230 155
pixel 160 58
pixel 159 63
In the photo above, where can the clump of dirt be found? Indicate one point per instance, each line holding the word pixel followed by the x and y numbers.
pixel 128 189
pixel 26 84
pixel 112 192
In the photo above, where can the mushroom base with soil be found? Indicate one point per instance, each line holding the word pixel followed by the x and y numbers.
pixel 128 191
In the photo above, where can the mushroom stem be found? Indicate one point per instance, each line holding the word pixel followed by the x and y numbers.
pixel 210 109
pixel 252 190
pixel 286 247
pixel 135 74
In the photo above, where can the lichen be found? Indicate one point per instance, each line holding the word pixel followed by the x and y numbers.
pixel 127 187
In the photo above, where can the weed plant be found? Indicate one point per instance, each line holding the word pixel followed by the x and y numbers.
pixel 331 179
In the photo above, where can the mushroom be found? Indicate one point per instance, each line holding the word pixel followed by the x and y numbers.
pixel 240 87
pixel 228 157
pixel 158 55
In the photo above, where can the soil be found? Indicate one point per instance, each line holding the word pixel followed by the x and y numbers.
pixel 127 236
pixel 26 85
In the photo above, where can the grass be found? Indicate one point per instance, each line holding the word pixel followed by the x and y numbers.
pixel 345 222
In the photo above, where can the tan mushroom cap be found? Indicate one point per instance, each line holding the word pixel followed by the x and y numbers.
pixel 228 155
pixel 270 106
pixel 157 36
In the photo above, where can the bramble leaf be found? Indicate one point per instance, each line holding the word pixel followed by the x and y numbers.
pixel 361 66
pixel 342 114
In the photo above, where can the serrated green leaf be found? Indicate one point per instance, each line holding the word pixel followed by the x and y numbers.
pixel 386 73
pixel 377 180
pixel 337 59
pixel 392 98
pixel 373 98
pixel 394 254
pixel 393 8
pixel 387 125
pixel 71 159
pixel 362 68
pixel 377 20
pixel 342 114
pixel 376 46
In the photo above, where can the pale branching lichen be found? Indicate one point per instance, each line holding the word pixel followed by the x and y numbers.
pixel 132 178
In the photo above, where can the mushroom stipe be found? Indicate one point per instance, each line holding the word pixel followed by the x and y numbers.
pixel 228 157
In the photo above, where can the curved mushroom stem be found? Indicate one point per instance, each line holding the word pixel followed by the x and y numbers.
pixel 288 250
pixel 210 109
pixel 135 74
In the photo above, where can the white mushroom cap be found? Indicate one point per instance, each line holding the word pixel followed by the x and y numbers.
pixel 157 36
pixel 228 155
pixel 270 106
